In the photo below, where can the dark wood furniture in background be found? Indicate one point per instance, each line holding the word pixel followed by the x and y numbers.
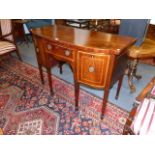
pixel 18 27
pixel 97 59
pixel 80 23
pixel 144 93
pixel 59 21
pixel 151 32
pixel 103 25
pixel 99 25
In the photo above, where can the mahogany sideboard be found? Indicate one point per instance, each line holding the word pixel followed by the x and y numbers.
pixel 97 59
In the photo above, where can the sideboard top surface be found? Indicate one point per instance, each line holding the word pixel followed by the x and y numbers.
pixel 81 38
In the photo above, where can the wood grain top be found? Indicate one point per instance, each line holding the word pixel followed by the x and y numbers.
pixel 86 39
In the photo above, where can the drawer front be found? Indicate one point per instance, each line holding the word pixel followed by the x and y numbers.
pixel 92 69
pixel 59 51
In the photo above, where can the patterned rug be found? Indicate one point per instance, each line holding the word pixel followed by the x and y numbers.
pixel 26 107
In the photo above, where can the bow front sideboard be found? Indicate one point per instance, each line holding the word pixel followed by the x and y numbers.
pixel 97 59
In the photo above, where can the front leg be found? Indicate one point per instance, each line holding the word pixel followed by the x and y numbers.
pixel 41 73
pixel 50 80
pixel 119 86
pixel 76 89
pixel 76 86
pixel 104 103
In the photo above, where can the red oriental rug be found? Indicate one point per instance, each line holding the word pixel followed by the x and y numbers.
pixel 26 107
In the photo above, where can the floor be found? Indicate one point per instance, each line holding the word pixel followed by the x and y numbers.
pixel 125 100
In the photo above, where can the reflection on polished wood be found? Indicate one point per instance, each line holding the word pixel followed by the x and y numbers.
pixel 97 59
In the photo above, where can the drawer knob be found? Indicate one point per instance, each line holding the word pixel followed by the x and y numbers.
pixel 49 47
pixel 91 69
pixel 37 50
pixel 67 52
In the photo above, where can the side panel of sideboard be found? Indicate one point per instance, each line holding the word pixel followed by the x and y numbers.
pixel 42 56
pixel 119 67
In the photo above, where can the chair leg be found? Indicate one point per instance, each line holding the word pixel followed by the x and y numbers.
pixel 129 120
pixel 17 52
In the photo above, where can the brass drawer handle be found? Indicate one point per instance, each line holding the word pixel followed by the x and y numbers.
pixel 49 47
pixel 91 69
pixel 37 50
pixel 67 53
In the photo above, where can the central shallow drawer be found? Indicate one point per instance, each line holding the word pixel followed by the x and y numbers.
pixel 59 51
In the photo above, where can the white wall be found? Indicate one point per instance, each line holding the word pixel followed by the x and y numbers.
pixel 152 21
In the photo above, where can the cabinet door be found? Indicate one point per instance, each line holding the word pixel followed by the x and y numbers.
pixel 92 69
